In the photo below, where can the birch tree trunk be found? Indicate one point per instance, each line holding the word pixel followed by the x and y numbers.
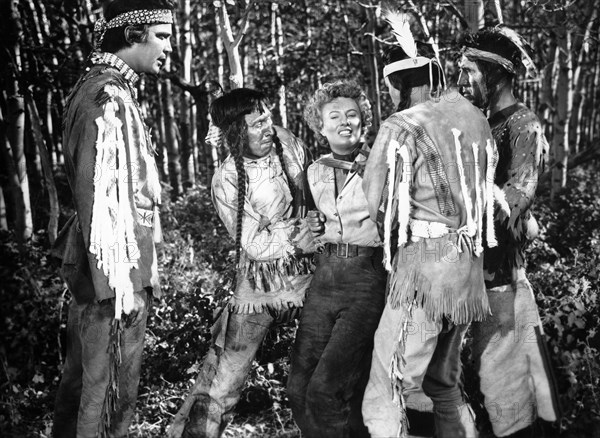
pixel 232 43
pixel 15 120
pixel 46 168
pixel 560 138
pixel 371 60
pixel 171 140
pixel 474 14
pixel 594 116
pixel 3 219
pixel 277 43
pixel 576 123
pixel 187 146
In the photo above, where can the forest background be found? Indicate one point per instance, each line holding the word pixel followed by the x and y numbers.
pixel 286 48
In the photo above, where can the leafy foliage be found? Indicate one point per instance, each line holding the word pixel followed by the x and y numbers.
pixel 195 258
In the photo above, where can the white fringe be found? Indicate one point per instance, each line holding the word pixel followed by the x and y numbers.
pixel 500 198
pixel 490 188
pixel 478 202
pixel 112 237
pixel 387 223
pixel 404 196
pixel 463 185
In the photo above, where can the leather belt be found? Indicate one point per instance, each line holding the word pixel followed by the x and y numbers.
pixel 347 250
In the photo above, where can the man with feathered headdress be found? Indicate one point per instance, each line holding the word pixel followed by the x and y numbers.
pixel 426 180
pixel 509 348
pixel 108 247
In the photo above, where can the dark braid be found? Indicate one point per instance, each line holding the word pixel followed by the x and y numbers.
pixel 227 112
pixel 241 177
pixel 279 150
pixel 236 137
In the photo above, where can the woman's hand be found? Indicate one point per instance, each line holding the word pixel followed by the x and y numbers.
pixel 316 222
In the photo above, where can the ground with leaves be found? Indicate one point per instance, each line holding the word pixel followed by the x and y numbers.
pixel 564 267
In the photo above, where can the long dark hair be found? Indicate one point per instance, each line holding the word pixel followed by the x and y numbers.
pixel 228 113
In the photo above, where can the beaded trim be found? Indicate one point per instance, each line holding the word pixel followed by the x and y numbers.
pixel 114 61
pixel 141 16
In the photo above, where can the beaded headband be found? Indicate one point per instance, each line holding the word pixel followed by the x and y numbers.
pixel 141 16
pixel 483 55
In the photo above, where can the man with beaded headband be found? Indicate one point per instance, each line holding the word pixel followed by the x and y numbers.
pixel 510 352
pixel 258 192
pixel 426 181
pixel 108 247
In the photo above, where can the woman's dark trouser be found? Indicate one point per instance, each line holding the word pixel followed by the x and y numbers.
pixel 332 353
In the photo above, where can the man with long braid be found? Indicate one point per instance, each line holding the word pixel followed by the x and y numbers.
pixel 509 349
pixel 258 192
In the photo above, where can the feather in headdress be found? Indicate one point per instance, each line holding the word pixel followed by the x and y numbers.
pixel 401 29
pixel 521 44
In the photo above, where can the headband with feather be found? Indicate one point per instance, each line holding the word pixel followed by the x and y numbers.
pixel 488 46
pixel 521 44
pixel 401 29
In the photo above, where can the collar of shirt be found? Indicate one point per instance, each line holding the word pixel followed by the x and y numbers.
pixel 114 61
pixel 265 161
pixel 347 157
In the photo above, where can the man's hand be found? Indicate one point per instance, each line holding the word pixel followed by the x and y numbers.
pixel 316 222
pixel 138 311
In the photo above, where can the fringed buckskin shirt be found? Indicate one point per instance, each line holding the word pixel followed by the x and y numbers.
pixel 108 246
pixel 429 177
pixel 274 273
pixel 346 212
pixel 522 149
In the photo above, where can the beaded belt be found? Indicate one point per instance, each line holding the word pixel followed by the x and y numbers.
pixel 431 230
pixel 347 250
pixel 428 230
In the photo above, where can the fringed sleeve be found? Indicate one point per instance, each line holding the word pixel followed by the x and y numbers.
pixel 386 183
pixel 112 237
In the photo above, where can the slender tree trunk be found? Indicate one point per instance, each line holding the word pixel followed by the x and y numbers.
pixel 171 140
pixel 560 139
pixel 576 121
pixel 187 146
pixel 15 119
pixel 498 11
pixel 3 219
pixel 593 131
pixel 277 43
pixel 371 60
pixel 46 167
pixel 160 127
pixel 220 51
pixel 474 14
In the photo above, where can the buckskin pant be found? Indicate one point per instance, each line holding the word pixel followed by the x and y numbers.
pixel 209 405
pixel 331 355
pixel 431 362
pixel 510 353
pixel 84 384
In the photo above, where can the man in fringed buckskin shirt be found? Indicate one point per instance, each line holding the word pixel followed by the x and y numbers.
pixel 108 247
pixel 426 183
pixel 258 192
